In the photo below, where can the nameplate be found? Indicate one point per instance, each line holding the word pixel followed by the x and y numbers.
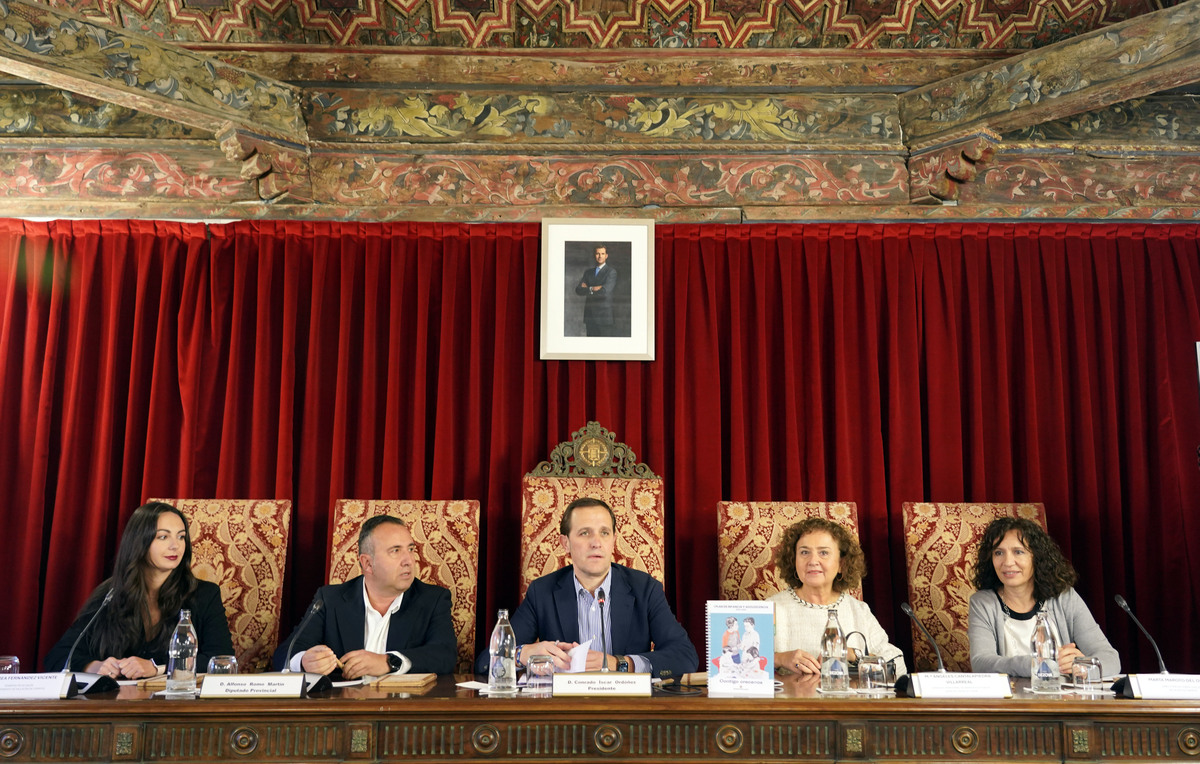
pixel 48 686
pixel 935 684
pixel 610 683
pixel 1165 686
pixel 252 686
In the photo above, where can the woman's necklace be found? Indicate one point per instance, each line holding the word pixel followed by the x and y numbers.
pixel 814 606
pixel 1025 616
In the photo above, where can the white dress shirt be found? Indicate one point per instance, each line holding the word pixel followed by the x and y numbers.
pixel 375 635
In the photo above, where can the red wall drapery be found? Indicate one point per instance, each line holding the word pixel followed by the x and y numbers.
pixel 872 363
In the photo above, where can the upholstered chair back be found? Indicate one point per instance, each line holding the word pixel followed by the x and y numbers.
pixel 241 545
pixel 941 541
pixel 748 532
pixel 447 537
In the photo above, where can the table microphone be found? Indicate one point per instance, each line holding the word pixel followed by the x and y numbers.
pixel 312 682
pixel 904 683
pixel 908 611
pixel 90 682
pixel 603 638
pixel 1121 603
pixel 313 609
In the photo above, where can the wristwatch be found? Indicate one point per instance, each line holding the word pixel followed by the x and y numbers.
pixel 623 663
pixel 394 662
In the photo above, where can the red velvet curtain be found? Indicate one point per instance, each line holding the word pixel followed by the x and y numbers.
pixel 872 363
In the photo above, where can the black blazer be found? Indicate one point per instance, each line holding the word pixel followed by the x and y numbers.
pixel 208 617
pixel 641 619
pixel 598 308
pixel 421 629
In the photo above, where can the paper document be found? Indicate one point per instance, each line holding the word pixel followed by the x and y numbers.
pixel 579 655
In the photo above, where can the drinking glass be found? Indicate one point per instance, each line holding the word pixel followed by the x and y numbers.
pixel 222 664
pixel 889 672
pixel 10 664
pixel 1085 676
pixel 540 674
pixel 872 673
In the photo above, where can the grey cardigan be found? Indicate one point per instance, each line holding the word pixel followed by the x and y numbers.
pixel 1072 620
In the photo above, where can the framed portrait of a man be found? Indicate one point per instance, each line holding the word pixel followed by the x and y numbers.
pixel 597 289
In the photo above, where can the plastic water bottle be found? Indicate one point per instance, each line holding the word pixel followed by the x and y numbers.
pixel 1044 675
pixel 502 670
pixel 181 666
pixel 835 670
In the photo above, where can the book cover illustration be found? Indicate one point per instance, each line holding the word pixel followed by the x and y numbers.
pixel 741 648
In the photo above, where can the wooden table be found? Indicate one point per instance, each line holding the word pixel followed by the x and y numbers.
pixel 450 723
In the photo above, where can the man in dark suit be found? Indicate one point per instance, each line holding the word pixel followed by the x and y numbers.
pixel 598 285
pixel 561 609
pixel 385 621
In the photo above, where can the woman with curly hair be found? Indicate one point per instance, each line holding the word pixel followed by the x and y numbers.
pixel 821 562
pixel 1020 572
pixel 151 582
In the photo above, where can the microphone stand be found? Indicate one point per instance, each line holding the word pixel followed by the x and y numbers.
pixel 904 683
pixel 1121 603
pixel 81 681
pixel 312 682
pixel 603 638
pixel 908 611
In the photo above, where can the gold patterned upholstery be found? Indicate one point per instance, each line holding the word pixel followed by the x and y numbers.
pixel 241 545
pixel 592 464
pixel 940 546
pixel 749 532
pixel 447 537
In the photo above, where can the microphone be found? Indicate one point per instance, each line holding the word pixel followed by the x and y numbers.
pixel 66 669
pixel 317 604
pixel 908 611
pixel 90 682
pixel 1121 603
pixel 603 638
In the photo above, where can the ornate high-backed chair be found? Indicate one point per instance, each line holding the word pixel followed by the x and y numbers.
pixel 593 464
pixel 447 537
pixel 748 532
pixel 241 545
pixel 940 546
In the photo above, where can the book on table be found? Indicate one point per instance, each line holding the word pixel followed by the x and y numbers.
pixel 741 648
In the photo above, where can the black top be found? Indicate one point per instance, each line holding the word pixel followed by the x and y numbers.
pixel 208 618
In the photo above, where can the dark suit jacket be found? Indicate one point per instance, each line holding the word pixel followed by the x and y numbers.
pixel 208 618
pixel 421 629
pixel 598 309
pixel 640 617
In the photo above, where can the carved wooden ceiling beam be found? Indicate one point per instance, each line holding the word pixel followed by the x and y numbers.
pixel 691 70
pixel 65 50
pixel 475 136
pixel 258 121
pixel 935 175
pixel 281 172
pixel 1145 55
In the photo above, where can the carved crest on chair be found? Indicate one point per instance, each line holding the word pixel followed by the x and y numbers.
pixel 593 451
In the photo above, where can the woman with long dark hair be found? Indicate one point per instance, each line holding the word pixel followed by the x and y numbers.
pixel 151 582
pixel 1019 573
